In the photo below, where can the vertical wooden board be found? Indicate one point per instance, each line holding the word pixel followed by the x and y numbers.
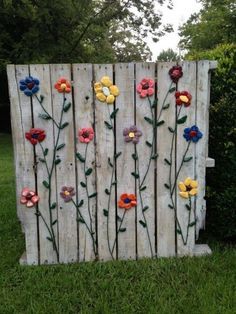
pixel 202 121
pixel 65 170
pixel 145 247
pixel 165 172
pixel 124 76
pixel 104 150
pixel 187 83
pixel 21 122
pixel 42 72
pixel 84 118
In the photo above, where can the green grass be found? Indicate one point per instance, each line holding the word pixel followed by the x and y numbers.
pixel 188 285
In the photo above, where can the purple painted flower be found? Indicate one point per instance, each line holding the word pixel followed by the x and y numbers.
pixel 192 134
pixel 132 134
pixel 67 192
pixel 30 85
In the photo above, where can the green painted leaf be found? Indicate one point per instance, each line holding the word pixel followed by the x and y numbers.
pixel 80 219
pixel 186 159
pixel 143 188
pixel 42 159
pixel 134 156
pixel 167 186
pixel 145 208
pixel 53 206
pixel 171 129
pixel 114 183
pixel 122 229
pixel 41 98
pixel 61 146
pixel 45 183
pixel 108 125
pixel 113 114
pixel 57 161
pixel 64 125
pixel 193 223
pixel 44 116
pixel 117 155
pixel 134 174
pixel 142 223
pixel 93 195
pixel 107 192
pixel 67 107
pixel 80 157
pixel 167 161
pixel 105 212
pixel 54 222
pixel 109 162
pixel 88 171
pixel 182 120
pixel 170 206
pixel 160 123
pixel 45 152
pixel 171 90
pixel 148 144
pixel 148 120
pixel 188 207
pixel 83 184
pixel 178 231
pixel 154 156
pixel 80 203
pixel 49 239
pixel 118 218
pixel 166 106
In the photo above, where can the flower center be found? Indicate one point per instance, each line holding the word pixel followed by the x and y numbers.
pixel 35 135
pixel 85 134
pixel 30 85
pixel 67 193
pixel 146 86
pixel 183 98
pixel 188 188
pixel 106 91
pixel 63 86
pixel 175 72
pixel 28 196
pixel 131 134
pixel 127 200
pixel 193 133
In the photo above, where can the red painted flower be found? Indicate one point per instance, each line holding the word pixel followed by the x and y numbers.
pixel 183 98
pixel 146 87
pixel 63 85
pixel 28 197
pixel 35 135
pixel 67 192
pixel 176 73
pixel 127 201
pixel 86 135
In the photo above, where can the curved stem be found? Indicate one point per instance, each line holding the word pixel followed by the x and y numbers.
pixel 189 216
pixel 118 230
pixel 45 159
pixel 164 101
pixel 41 104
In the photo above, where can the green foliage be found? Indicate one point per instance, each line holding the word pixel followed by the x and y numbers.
pixel 168 55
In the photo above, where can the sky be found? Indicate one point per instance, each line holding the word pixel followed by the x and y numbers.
pixel 182 9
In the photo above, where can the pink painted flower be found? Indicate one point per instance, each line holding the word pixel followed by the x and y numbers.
pixel 67 192
pixel 86 135
pixel 183 98
pixel 28 197
pixel 132 134
pixel 145 87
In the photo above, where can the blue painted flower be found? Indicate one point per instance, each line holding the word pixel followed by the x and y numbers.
pixel 29 85
pixel 192 134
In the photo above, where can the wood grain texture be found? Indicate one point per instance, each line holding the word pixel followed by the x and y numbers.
pixel 84 118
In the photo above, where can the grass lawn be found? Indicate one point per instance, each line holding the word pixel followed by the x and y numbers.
pixel 188 285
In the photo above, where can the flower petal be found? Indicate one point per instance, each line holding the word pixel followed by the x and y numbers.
pixel 187 181
pixel 110 99
pixel 105 80
pixel 183 194
pixel 194 184
pixel 182 186
pixel 114 90
pixel 101 97
pixel 193 192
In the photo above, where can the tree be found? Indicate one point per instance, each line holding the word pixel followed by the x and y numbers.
pixel 214 24
pixel 168 55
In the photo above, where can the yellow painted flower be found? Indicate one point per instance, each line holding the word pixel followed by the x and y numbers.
pixel 105 91
pixel 188 188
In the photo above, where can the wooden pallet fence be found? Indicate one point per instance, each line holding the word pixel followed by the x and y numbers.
pixel 110 159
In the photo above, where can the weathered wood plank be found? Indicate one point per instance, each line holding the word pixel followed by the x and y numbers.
pixel 145 236
pixel 21 122
pixel 47 253
pixel 165 172
pixel 84 118
pixel 187 83
pixel 124 74
pixel 104 150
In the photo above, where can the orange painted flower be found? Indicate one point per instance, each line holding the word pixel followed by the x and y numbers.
pixel 127 201
pixel 63 85
pixel 28 197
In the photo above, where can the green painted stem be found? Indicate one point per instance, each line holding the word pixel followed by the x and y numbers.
pixel 41 104
pixel 189 216
pixel 117 232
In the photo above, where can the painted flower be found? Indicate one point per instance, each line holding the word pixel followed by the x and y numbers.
pixel 105 90
pixel 35 135
pixel 188 188
pixel 67 192
pixel 183 98
pixel 132 134
pixel 86 135
pixel 28 197
pixel 127 201
pixel 175 73
pixel 63 85
pixel 192 134
pixel 29 85
pixel 145 87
